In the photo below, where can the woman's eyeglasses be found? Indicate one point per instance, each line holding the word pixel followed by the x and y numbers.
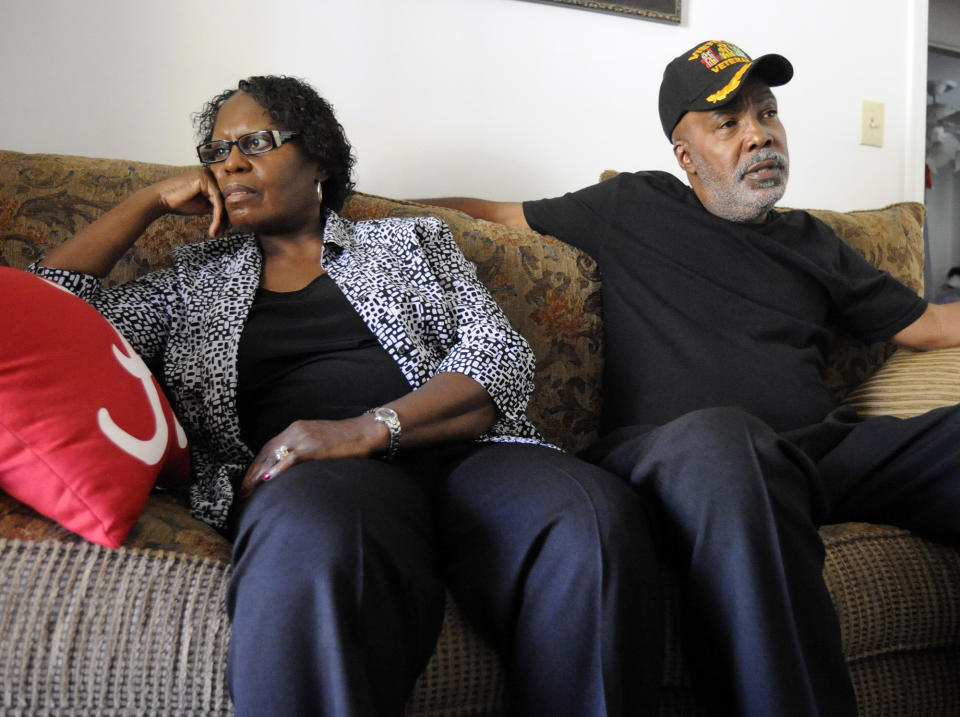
pixel 254 143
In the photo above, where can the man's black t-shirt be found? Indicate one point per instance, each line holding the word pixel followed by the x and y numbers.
pixel 702 312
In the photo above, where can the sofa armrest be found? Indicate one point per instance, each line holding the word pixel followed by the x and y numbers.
pixel 910 383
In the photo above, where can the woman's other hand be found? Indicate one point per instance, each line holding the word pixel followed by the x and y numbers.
pixel 448 407
pixel 358 437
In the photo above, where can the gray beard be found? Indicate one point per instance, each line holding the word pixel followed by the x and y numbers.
pixel 735 203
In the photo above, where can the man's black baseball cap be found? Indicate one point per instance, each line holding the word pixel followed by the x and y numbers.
pixel 710 75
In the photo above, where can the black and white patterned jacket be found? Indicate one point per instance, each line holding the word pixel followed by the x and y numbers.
pixel 406 277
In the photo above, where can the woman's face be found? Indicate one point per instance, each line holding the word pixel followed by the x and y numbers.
pixel 273 193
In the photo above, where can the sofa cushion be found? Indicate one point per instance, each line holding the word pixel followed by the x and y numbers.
pixel 85 430
pixel 90 631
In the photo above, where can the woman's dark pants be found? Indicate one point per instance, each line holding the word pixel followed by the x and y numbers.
pixel 340 569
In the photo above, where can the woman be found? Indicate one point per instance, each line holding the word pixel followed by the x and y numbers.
pixel 355 404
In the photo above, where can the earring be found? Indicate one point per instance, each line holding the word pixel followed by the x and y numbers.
pixel 319 192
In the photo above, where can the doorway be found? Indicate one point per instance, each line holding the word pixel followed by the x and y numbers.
pixel 942 196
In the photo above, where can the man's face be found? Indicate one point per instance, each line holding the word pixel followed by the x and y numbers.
pixel 736 156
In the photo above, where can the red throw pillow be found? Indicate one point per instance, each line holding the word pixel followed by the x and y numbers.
pixel 85 430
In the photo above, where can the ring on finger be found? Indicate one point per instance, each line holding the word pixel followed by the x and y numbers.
pixel 281 453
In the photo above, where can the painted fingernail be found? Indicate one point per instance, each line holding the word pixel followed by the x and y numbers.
pixel 265 477
pixel 244 492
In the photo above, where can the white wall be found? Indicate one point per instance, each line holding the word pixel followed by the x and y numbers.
pixel 505 99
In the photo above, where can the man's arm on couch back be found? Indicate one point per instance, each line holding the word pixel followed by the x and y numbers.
pixel 509 213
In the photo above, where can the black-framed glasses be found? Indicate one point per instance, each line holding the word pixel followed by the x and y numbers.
pixel 258 142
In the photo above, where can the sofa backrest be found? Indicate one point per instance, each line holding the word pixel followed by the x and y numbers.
pixel 46 198
pixel 550 291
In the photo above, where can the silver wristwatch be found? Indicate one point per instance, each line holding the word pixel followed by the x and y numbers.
pixel 389 418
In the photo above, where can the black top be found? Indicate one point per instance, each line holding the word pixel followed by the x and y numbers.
pixel 702 312
pixel 307 354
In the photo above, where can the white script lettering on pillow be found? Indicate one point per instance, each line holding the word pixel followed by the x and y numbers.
pixel 151 450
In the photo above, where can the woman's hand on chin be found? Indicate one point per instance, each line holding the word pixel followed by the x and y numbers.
pixel 193 193
pixel 96 248
pixel 301 441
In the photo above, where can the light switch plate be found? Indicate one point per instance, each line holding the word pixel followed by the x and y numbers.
pixel 871 124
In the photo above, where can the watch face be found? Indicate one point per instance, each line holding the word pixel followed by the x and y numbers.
pixel 389 418
pixel 385 414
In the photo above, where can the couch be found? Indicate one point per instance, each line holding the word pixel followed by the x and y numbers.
pixel 142 629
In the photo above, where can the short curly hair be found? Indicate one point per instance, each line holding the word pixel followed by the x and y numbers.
pixel 294 105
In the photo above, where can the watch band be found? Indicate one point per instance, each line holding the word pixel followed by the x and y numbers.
pixel 389 418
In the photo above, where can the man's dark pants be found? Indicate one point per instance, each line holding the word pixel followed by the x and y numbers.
pixel 740 506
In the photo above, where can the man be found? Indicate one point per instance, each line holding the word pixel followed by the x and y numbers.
pixel 719 312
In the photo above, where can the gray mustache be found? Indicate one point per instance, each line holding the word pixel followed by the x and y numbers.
pixel 763 156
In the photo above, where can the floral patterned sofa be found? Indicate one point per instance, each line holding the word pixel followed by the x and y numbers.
pixel 142 629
